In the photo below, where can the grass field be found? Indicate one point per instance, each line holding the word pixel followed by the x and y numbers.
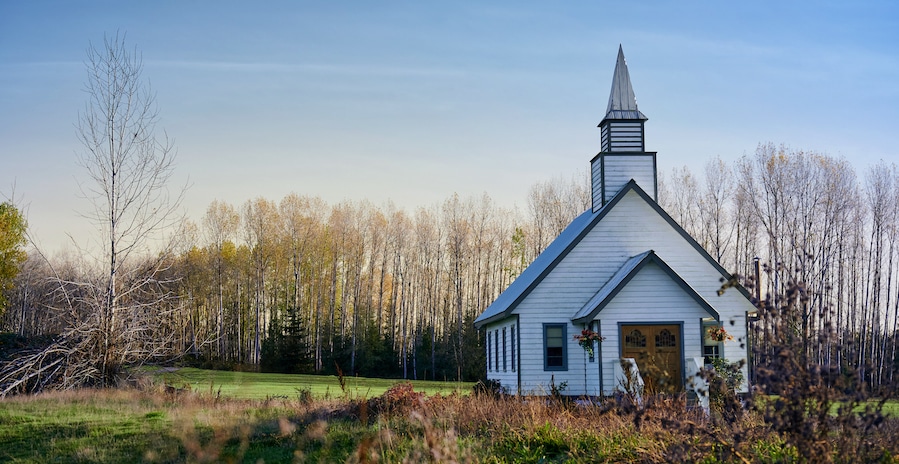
pixel 209 416
pixel 891 408
pixel 253 385
pixel 249 417
pixel 115 426
pixel 82 427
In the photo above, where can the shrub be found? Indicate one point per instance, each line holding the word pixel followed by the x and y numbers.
pixel 811 403
pixel 398 399
pixel 490 387
pixel 723 379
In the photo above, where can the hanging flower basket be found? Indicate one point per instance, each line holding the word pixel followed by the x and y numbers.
pixel 718 334
pixel 586 339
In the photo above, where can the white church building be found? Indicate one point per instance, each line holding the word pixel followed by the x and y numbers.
pixel 623 277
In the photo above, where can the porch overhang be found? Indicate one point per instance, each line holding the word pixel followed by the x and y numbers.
pixel 624 275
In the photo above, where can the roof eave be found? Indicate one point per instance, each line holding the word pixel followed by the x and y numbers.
pixel 727 276
pixel 650 257
pixel 623 115
pixel 478 323
pixel 597 216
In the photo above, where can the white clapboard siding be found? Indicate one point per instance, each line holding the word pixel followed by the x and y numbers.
pixel 611 171
pixel 535 380
pixel 620 169
pixel 507 376
pixel 596 183
pixel 631 227
pixel 650 297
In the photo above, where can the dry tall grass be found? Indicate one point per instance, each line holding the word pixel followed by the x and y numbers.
pixel 405 426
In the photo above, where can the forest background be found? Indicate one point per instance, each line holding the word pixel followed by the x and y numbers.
pixel 300 285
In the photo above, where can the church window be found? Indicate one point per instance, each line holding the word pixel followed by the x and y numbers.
pixel 554 348
pixel 489 364
pixel 496 349
pixel 665 339
pixel 504 349
pixel 635 339
pixel 512 345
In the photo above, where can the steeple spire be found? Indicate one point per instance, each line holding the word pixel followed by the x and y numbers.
pixel 622 155
pixel 622 101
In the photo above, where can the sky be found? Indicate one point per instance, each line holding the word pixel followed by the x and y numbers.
pixel 411 102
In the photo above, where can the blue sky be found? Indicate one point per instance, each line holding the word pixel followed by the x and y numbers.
pixel 413 101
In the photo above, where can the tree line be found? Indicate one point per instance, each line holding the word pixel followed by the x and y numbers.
pixel 813 224
pixel 300 285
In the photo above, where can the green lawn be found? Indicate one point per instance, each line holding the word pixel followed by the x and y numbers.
pixel 150 426
pixel 254 385
pixel 891 408
pixel 87 427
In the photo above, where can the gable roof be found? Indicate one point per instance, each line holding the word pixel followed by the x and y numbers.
pixel 506 302
pixel 534 273
pixel 622 100
pixel 624 275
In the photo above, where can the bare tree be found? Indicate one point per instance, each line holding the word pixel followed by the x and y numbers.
pixel 679 196
pixel 457 223
pixel 261 222
pixel 429 251
pixel 553 205
pixel 128 169
pixel 716 222
pixel 221 223
pixel 118 314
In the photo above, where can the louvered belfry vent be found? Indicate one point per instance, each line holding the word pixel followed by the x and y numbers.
pixel 623 154
pixel 622 136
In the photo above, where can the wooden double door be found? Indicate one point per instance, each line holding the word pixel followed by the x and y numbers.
pixel 657 351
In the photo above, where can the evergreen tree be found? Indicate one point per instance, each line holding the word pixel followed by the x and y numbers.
pixel 286 349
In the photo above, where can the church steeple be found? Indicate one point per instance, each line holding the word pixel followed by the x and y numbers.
pixel 622 101
pixel 623 154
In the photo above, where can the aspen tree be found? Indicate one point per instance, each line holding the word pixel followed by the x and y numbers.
pixel 221 223
pixel 261 222
pixel 715 215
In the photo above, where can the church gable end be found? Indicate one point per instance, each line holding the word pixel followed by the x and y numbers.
pixel 624 275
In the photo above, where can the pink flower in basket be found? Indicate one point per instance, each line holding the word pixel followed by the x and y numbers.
pixel 718 334
pixel 586 339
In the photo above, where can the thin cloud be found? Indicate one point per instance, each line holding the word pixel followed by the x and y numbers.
pixel 320 68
